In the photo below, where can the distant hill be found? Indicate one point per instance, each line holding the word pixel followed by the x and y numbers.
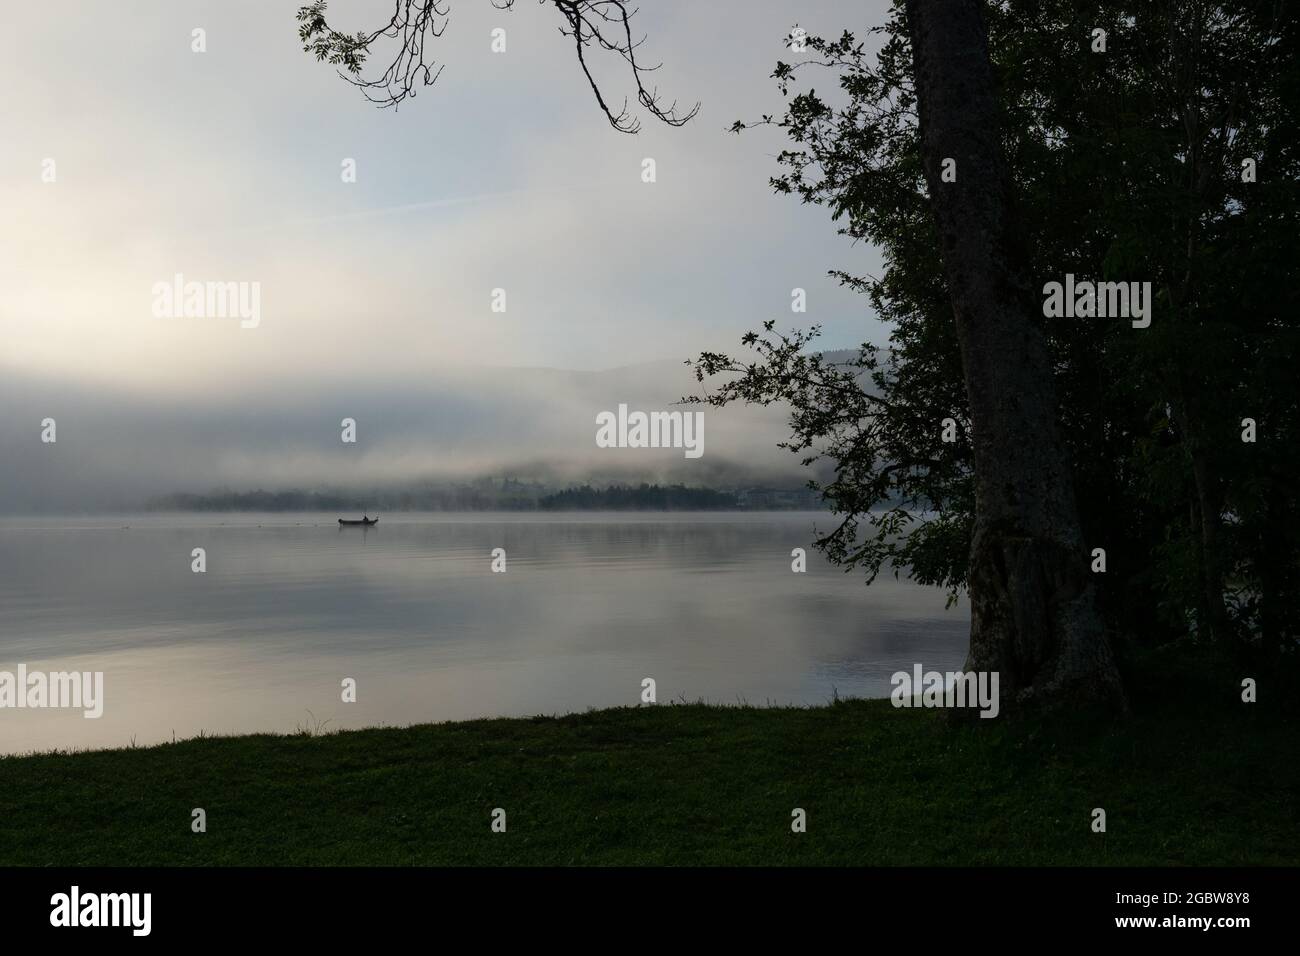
pixel 640 498
pixel 497 495
pixel 419 445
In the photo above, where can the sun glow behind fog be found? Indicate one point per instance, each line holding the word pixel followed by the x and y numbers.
pixel 501 175
pixel 377 287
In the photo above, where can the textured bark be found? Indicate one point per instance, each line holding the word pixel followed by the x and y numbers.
pixel 1276 577
pixel 1214 616
pixel 1209 506
pixel 1207 511
pixel 1034 615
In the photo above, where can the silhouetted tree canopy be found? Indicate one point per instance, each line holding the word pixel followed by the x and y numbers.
pixel 1128 164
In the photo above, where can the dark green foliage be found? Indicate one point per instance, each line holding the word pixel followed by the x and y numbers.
pixel 327 45
pixel 1127 167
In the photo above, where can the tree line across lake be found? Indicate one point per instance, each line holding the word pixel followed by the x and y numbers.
pixel 508 495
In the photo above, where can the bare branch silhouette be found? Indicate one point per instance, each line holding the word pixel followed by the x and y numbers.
pixel 593 24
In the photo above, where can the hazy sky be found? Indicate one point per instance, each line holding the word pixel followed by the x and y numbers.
pixel 225 165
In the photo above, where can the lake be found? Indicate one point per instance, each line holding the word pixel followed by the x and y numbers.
pixel 291 604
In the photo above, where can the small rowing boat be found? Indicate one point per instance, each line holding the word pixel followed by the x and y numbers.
pixel 364 521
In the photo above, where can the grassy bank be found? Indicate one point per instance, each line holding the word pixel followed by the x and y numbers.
pixel 683 784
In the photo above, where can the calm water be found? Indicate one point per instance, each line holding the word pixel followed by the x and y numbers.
pixel 290 605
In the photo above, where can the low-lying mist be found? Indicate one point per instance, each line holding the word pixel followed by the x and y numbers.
pixel 116 449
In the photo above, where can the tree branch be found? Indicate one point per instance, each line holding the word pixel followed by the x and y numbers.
pixel 606 24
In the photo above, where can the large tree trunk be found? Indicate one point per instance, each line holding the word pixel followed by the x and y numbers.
pixel 1276 575
pixel 1034 615
pixel 1189 415
pixel 1209 509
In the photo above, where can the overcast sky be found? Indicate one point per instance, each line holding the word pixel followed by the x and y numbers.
pixel 225 165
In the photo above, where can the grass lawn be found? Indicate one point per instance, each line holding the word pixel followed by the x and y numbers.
pixel 680 784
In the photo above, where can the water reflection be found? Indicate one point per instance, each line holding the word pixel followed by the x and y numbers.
pixel 588 606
